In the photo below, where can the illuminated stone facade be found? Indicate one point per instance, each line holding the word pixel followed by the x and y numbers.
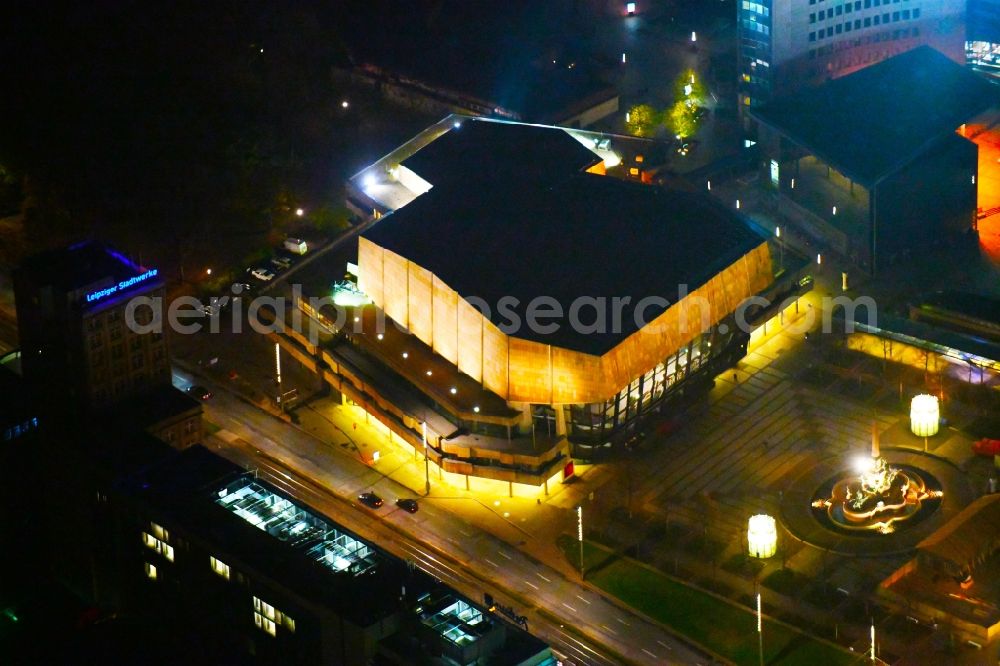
pixel 527 371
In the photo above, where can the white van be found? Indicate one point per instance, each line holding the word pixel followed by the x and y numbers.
pixel 296 245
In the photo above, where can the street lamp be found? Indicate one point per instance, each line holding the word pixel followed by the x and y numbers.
pixel 760 633
pixel 427 464
pixel 277 372
pixel 579 537
pixel 781 246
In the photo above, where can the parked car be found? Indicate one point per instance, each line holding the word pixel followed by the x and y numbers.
pixel 212 309
pixel 262 274
pixel 408 505
pixel 370 500
pixel 296 245
pixel 987 447
pixel 199 392
pixel 281 262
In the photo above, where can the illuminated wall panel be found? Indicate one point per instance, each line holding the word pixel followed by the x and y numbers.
pixel 470 337
pixel 524 371
pixel 445 330
pixel 530 373
pixel 370 271
pixel 420 303
pixel 575 376
pixel 394 281
pixel 494 359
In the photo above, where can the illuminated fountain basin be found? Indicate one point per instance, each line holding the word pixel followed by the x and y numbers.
pixel 876 498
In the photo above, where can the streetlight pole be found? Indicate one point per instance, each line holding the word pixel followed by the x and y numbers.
pixel 579 537
pixel 427 464
pixel 277 372
pixel 873 642
pixel 760 633
pixel 781 246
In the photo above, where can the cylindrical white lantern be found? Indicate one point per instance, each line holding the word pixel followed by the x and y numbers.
pixel 762 536
pixel 924 415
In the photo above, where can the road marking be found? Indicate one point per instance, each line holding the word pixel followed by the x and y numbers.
pixel 504 554
pixel 650 653
pixel 623 622
pixel 468 534
pixel 492 562
pixel 532 584
pixel 569 607
pixel 610 629
pixel 664 645
pixel 453 541
pixel 547 580
pixel 582 599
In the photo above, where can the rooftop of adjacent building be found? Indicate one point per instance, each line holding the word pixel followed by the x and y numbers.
pixel 869 123
pixel 264 532
pixel 499 55
pixel 512 212
pixel 79 265
pixel 151 408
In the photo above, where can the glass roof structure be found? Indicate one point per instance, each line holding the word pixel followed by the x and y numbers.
pixel 455 620
pixel 313 536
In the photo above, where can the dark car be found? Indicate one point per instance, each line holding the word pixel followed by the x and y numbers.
pixel 199 392
pixel 408 505
pixel 370 499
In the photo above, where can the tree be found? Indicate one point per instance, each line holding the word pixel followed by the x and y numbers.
pixel 688 86
pixel 682 120
pixel 642 120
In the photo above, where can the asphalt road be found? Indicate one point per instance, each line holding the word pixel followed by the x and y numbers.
pixel 581 625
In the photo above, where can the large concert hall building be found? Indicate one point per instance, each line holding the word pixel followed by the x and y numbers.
pixel 486 229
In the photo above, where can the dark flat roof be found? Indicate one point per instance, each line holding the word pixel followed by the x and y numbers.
pixel 976 306
pixel 144 410
pixel 533 223
pixel 497 53
pixel 182 489
pixel 79 265
pixel 868 123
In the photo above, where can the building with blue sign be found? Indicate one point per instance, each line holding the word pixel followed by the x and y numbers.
pixel 76 349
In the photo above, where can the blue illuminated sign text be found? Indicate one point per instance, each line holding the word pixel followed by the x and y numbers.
pixel 121 286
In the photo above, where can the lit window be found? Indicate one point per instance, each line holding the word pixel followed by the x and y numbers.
pixel 219 567
pixel 150 571
pixel 161 547
pixel 265 624
pixel 159 532
pixel 267 618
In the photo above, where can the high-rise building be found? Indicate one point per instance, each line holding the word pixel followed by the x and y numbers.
pixel 786 44
pixel 76 348
pixel 982 42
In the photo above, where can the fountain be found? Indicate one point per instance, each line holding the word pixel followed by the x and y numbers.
pixel 876 496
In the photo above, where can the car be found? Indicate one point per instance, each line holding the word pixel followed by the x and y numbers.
pixel 211 310
pixel 262 274
pixel 281 262
pixel 408 505
pixel 987 447
pixel 199 392
pixel 240 288
pixel 370 500
pixel 295 245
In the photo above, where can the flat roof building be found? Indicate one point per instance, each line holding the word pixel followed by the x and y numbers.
pixel 71 324
pixel 871 162
pixel 261 574
pixel 536 300
pixel 786 45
